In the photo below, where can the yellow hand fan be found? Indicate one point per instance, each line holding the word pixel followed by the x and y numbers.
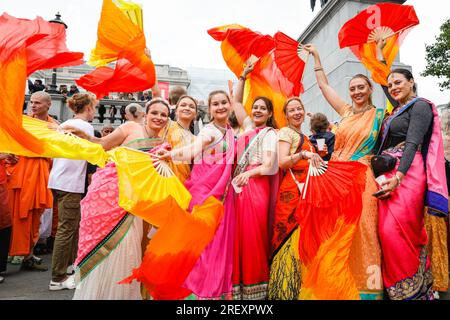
pixel 145 178
pixel 133 11
pixel 56 144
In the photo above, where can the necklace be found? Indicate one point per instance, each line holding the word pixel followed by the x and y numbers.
pixel 369 107
pixel 146 132
pixel 182 126
pixel 222 129
pixel 296 130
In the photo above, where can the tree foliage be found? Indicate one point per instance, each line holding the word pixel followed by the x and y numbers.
pixel 438 57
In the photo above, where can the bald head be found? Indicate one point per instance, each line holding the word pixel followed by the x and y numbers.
pixel 40 103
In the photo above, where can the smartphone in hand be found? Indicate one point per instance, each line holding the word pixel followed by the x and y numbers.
pixel 379 193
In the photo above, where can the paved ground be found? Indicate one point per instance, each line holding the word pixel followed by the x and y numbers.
pixel 30 285
pixel 33 285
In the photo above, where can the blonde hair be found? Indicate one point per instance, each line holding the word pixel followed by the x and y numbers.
pixel 79 101
pixel 289 101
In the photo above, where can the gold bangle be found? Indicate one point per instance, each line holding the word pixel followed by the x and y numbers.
pixel 318 69
pixel 398 181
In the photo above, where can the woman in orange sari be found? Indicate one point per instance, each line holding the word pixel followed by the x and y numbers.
pixel 355 139
pixel 295 150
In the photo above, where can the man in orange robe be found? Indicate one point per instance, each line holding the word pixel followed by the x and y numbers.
pixel 28 193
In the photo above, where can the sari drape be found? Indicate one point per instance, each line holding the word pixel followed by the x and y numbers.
pixel 252 208
pixel 211 176
pixel 403 232
pixel 285 270
pixel 355 139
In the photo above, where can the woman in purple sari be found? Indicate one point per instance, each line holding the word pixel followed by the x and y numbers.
pixel 415 187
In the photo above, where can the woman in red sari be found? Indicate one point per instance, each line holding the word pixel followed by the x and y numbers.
pixel 255 174
pixel 294 151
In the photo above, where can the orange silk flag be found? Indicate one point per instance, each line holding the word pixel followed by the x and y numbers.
pixel 387 22
pixel 27 46
pixel 177 245
pixel 123 42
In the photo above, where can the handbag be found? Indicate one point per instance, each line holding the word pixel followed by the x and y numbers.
pixel 383 163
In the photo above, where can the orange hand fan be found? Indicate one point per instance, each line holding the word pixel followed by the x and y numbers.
pixel 291 58
pixel 383 21
pixel 328 215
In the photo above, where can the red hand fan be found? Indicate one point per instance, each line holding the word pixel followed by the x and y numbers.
pixel 332 194
pixel 332 181
pixel 290 57
pixel 379 21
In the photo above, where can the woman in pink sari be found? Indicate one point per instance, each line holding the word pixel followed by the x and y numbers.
pixel 415 183
pixel 213 153
pixel 255 178
pixel 110 238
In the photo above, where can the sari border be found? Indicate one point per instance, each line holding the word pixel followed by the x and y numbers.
pixel 417 287
pixel 104 248
pixel 437 204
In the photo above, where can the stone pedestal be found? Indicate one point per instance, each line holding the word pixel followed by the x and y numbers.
pixel 340 65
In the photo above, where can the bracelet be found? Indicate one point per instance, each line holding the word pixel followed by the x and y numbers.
pixel 318 69
pixel 398 181
pixel 242 78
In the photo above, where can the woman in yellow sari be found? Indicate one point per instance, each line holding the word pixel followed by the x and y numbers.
pixel 355 138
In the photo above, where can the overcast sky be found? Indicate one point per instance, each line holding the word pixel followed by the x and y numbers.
pixel 176 29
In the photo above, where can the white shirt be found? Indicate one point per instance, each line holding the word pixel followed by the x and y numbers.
pixel 70 175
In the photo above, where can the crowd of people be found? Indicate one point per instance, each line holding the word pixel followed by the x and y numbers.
pixel 260 172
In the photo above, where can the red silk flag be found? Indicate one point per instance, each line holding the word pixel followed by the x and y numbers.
pixel 123 42
pixel 384 21
pixel 271 77
pixel 27 46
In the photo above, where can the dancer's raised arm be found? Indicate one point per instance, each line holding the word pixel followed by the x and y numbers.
pixel 328 92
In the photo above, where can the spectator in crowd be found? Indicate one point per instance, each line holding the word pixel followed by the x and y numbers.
pixel 147 96
pixel 63 90
pixel 36 86
pixel 107 129
pixel 5 217
pixel 101 113
pixel 130 97
pixel 73 90
pixel 28 193
pixel 445 123
pixel 122 114
pixel 320 129
pixel 174 95
pixel 68 183
pixel 112 114
pixel 135 112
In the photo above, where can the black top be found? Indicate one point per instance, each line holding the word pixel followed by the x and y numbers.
pixel 412 126
pixel 329 141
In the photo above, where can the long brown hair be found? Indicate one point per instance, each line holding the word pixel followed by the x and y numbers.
pixel 269 104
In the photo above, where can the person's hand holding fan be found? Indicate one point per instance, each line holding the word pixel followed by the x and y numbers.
pixel 381 27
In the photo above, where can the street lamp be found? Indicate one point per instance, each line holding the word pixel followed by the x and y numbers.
pixel 53 85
